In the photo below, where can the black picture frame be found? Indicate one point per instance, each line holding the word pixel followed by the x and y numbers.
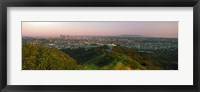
pixel 99 3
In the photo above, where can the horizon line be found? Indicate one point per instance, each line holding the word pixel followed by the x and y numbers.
pixel 130 36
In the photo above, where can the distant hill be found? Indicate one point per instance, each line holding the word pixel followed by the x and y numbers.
pixel 130 35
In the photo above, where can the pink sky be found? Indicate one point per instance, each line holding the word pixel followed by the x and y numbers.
pixel 167 29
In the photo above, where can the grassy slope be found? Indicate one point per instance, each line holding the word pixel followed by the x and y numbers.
pixel 36 57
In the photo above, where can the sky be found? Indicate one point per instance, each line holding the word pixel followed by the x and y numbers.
pixel 165 29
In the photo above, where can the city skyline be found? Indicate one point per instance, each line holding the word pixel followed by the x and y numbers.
pixel 165 29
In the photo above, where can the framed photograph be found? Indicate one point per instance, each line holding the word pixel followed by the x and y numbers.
pixel 92 45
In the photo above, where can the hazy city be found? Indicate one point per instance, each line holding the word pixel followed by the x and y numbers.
pixel 130 41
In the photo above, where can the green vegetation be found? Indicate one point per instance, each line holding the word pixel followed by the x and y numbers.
pixel 37 57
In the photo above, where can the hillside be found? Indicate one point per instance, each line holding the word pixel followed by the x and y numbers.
pixel 35 57
pixel 116 58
